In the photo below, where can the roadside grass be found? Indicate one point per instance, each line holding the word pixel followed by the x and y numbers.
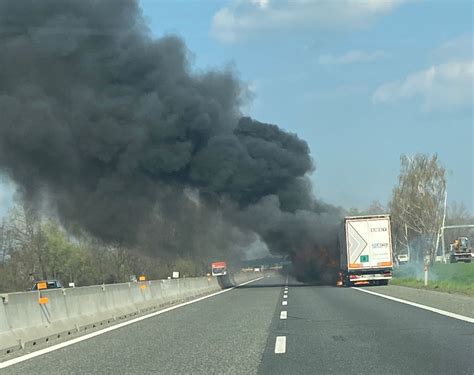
pixel 451 278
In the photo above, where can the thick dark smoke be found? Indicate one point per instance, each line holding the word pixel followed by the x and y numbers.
pixel 127 142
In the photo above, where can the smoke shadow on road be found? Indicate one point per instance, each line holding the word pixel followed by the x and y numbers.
pixel 279 285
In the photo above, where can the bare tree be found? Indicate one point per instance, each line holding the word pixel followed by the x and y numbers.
pixel 5 241
pixel 417 204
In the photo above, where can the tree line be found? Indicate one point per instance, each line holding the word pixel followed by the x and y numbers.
pixel 417 209
pixel 33 247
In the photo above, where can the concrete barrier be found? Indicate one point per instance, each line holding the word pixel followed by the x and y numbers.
pixel 88 305
pixel 8 339
pixel 24 321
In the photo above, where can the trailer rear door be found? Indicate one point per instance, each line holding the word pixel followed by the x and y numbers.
pixel 368 243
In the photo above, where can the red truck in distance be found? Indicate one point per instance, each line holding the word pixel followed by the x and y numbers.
pixel 219 268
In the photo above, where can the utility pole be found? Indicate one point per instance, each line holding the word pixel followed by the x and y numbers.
pixel 408 244
pixel 442 227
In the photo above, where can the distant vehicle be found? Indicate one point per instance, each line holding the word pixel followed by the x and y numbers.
pixel 256 269
pixel 49 284
pixel 365 244
pixel 219 268
pixel 460 250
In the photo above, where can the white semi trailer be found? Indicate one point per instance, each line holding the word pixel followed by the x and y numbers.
pixel 365 244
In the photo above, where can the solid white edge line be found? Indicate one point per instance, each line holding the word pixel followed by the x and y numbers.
pixel 280 345
pixel 284 315
pixel 284 303
pixel 424 307
pixel 53 348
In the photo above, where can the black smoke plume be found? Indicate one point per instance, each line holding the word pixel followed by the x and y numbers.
pixel 130 144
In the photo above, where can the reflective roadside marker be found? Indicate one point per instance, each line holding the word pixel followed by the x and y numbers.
pixel 42 285
pixel 141 278
pixel 43 300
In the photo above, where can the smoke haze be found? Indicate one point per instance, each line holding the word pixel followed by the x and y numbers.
pixel 114 128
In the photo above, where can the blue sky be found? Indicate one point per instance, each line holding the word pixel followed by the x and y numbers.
pixel 362 86
pixel 361 82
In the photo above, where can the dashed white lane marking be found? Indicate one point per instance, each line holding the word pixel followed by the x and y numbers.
pixel 420 306
pixel 285 296
pixel 26 357
pixel 286 288
pixel 283 314
pixel 280 345
pixel 284 303
pixel 285 292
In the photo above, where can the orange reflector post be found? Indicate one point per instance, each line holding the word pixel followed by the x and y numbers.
pixel 142 278
pixel 42 285
pixel 143 286
pixel 43 300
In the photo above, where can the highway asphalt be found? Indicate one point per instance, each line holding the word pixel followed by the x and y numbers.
pixel 327 330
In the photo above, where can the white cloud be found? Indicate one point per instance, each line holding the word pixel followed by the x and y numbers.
pixel 351 57
pixel 459 48
pixel 242 17
pixel 444 86
pixel 261 3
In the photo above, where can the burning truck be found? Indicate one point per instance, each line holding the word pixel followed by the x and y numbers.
pixel 365 244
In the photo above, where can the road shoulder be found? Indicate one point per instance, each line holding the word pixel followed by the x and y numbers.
pixel 455 303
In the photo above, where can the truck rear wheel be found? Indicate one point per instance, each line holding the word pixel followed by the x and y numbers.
pixel 347 282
